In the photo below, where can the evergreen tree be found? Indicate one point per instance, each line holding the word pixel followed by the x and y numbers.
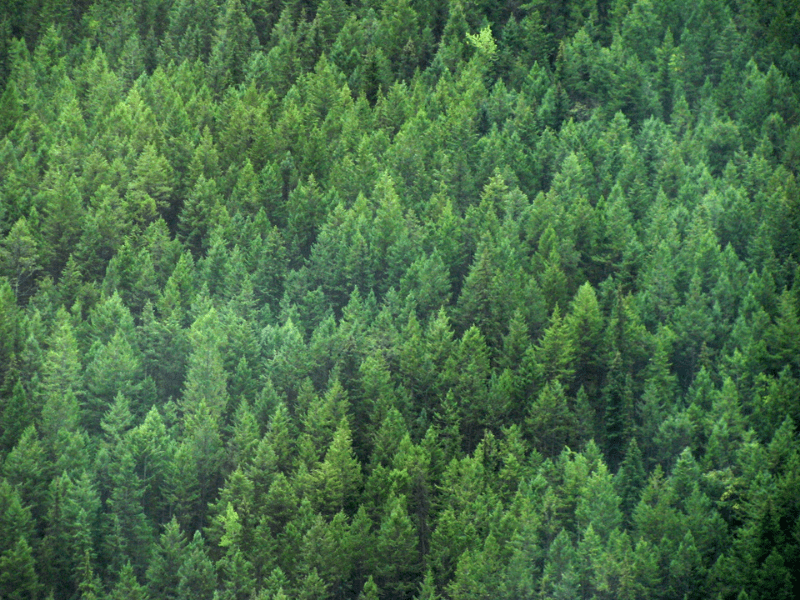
pixel 162 573
pixel 345 292
pixel 206 378
pixel 552 358
pixel 550 422
pixel 19 258
pixel 153 451
pixel 114 369
pixel 370 591
pixel 62 210
pixel 396 562
pixel 236 571
pixel 198 460
pixel 127 587
pixel 338 478
pixel 128 536
pixel 196 576
pixel 18 577
pixel 201 210
pixel 630 478
pixel 598 504
pixel 234 40
pixel 17 415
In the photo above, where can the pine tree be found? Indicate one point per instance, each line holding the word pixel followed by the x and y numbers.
pixel 235 570
pixel 560 570
pixel 337 480
pixel 19 259
pixel 550 422
pixel 427 589
pixel 235 39
pixel 245 436
pixel 552 358
pixel 480 299
pixel 618 401
pixel 58 561
pixel 206 378
pixel 162 573
pixel 478 572
pixel 61 368
pixel 599 504
pixel 655 516
pixel 9 327
pixel 18 578
pixel 197 578
pixel 113 369
pixel 585 325
pixel 27 469
pixel 153 451
pixel 202 209
pixel 686 569
pixel 198 462
pixel 370 591
pixel 152 184
pixel 467 372
pixel 280 504
pixel 630 478
pixel 17 416
pixel 62 213
pixel 128 534
pixel 313 587
pixel 127 587
pixel 396 562
pixel 89 587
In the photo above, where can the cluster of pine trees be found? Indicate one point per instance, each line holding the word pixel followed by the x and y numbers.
pixel 393 299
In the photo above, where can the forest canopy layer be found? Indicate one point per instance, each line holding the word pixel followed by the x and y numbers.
pixel 394 299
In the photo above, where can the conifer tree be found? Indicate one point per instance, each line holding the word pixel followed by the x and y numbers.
pixel 235 570
pixel 19 258
pixel 345 292
pixel 234 40
pixel 162 573
pixel 550 421
pixel 18 577
pixel 127 587
pixel 196 576
pixel 396 562
pixel 630 478
pixel 337 481
pixel 128 534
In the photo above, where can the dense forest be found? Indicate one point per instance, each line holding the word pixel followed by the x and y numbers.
pixel 393 299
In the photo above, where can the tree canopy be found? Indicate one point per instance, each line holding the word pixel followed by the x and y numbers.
pixel 399 299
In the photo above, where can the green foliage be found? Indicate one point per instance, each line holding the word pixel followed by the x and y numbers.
pixel 550 422
pixel 396 562
pixel 630 478
pixel 19 258
pixel 127 587
pixel 338 478
pixel 464 299
pixel 196 576
pixel 18 579
pixel 162 573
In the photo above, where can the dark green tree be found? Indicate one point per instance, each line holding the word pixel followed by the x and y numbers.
pixel 18 579
pixel 397 562
pixel 630 478
pixel 196 576
pixel 168 558
pixel 19 259
pixel 127 587
pixel 337 480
